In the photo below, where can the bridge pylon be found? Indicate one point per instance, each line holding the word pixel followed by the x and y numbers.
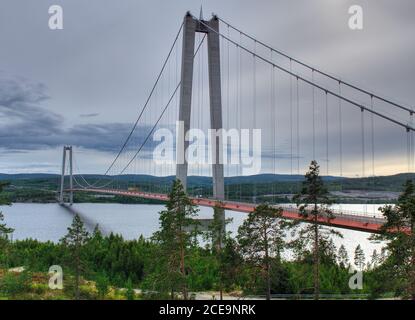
pixel 66 150
pixel 190 27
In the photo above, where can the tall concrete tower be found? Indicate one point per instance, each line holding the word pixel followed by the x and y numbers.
pixel 66 149
pixel 190 27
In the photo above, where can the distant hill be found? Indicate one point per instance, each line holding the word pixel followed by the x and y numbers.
pixel 26 176
pixel 391 183
pixel 201 180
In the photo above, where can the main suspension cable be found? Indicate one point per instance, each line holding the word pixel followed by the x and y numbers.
pixel 337 79
pixel 155 125
pixel 356 104
pixel 147 101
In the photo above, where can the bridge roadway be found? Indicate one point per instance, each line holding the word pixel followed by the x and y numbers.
pixel 342 219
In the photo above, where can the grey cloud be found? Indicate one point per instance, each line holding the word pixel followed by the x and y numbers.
pixel 89 115
pixel 28 126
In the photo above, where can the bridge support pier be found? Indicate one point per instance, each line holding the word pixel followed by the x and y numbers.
pixel 66 149
pixel 190 27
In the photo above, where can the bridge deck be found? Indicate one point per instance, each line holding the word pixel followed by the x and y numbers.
pixel 345 220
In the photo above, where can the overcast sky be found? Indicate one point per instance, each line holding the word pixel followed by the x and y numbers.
pixel 84 85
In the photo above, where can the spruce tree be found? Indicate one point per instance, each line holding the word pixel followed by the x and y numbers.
pixel 74 241
pixel 343 257
pixel 374 259
pixel 5 231
pixel 261 237
pixel 313 203
pixel 177 229
pixel 129 291
pixel 102 285
pixel 359 257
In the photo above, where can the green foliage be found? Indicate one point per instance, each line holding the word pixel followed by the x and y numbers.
pixel 74 241
pixel 343 257
pixel 12 284
pixel 177 232
pixel 172 260
pixel 260 237
pixel 313 203
pixel 129 292
pixel 399 230
pixel 359 257
pixel 102 284
pixel 4 200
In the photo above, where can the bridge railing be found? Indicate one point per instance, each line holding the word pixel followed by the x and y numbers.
pixel 348 214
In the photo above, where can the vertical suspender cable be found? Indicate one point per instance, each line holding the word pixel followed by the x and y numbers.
pixel 272 113
pixel 372 129
pixel 275 105
pixel 412 142
pixel 240 105
pixel 298 125
pixel 362 121
pixel 254 62
pixel 340 138
pixel 327 134
pixel 408 149
pixel 291 119
pixel 227 113
pixel 313 120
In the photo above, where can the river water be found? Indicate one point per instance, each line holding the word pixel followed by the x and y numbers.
pixel 50 221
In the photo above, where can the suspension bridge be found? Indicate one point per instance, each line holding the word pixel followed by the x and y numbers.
pixel 223 79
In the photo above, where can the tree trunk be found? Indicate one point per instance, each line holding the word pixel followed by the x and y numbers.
pixel 316 261
pixel 77 278
pixel 220 290
pixel 267 268
pixel 412 275
pixel 183 271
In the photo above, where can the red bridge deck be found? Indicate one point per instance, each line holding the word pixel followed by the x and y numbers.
pixel 345 220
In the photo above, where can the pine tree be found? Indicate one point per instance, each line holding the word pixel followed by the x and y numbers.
pixel 313 204
pixel 4 230
pixel 343 257
pixel 359 257
pixel 261 237
pixel 374 259
pixel 75 240
pixel 230 263
pixel 399 231
pixel 177 229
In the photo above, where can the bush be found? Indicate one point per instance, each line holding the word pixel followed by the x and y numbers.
pixel 129 292
pixel 102 285
pixel 12 284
